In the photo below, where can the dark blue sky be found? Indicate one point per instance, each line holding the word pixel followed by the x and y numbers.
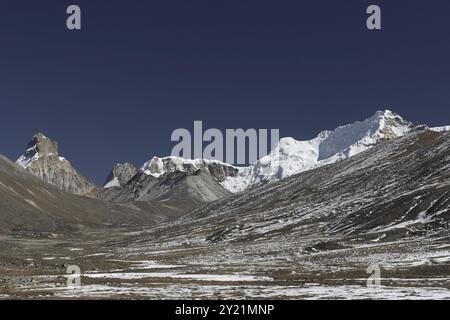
pixel 115 91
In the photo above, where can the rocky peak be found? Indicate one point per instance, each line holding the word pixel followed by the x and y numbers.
pixel 43 145
pixel 41 158
pixel 393 125
pixel 353 138
pixel 120 175
pixel 39 146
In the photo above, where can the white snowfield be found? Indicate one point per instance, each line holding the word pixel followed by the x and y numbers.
pixel 309 291
pixel 113 183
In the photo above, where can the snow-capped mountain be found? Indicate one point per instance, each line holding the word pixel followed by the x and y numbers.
pixel 441 129
pixel 41 158
pixel 157 167
pixel 119 175
pixel 291 156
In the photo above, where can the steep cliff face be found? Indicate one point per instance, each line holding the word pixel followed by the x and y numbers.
pixel 120 174
pixel 159 166
pixel 41 158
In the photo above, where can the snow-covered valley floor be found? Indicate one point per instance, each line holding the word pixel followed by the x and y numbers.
pixel 131 269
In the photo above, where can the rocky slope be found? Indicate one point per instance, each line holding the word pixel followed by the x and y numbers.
pixel 41 158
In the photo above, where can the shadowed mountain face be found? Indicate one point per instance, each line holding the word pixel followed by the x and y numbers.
pixel 41 159
pixel 398 189
pixel 30 205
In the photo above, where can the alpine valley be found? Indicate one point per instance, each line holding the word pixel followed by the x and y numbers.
pixel 308 221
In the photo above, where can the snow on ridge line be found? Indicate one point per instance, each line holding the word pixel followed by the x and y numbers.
pixel 158 163
pixel 292 156
pixel 25 162
pixel 440 129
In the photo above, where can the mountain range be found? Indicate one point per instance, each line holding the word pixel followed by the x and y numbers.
pixel 173 186
pixel 305 221
pixel 395 190
pixel 210 180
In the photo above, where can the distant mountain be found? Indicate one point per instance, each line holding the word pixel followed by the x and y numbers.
pixel 41 159
pixel 31 206
pixel 175 178
pixel 157 167
pixel 120 175
pixel 292 156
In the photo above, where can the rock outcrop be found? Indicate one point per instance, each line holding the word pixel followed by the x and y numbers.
pixel 41 158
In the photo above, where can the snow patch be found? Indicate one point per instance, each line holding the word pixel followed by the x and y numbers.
pixel 113 183
pixel 26 162
pixel 440 129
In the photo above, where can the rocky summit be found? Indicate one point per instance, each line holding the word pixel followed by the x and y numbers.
pixel 120 174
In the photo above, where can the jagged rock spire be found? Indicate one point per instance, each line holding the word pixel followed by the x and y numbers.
pixel 41 158
pixel 120 174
